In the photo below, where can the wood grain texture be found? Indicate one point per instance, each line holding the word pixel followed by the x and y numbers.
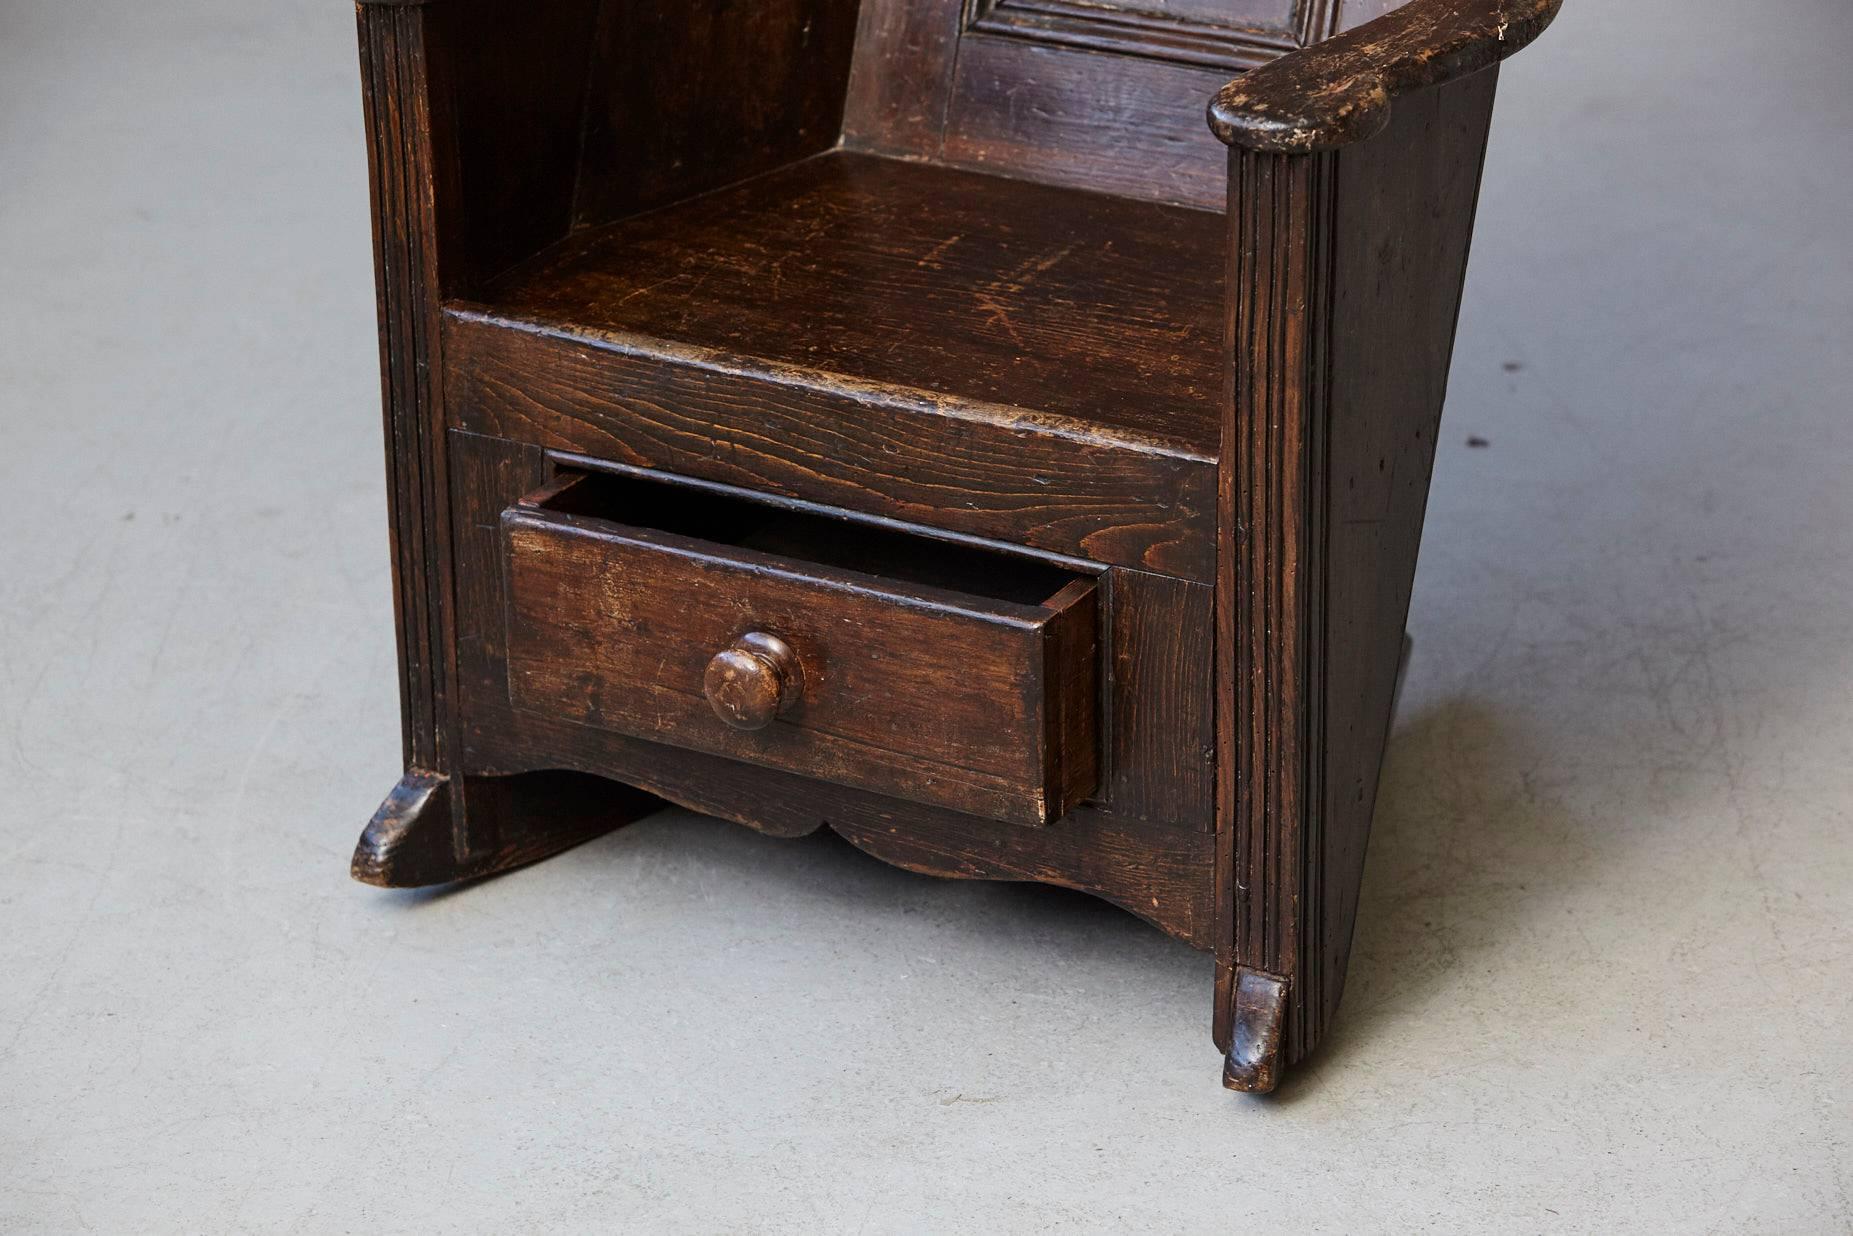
pixel 1347 269
pixel 402 161
pixel 433 828
pixel 1216 430
pixel 1100 312
pixel 1106 97
pixel 1161 719
pixel 1084 120
pixel 983 705
pixel 506 83
pixel 1147 847
pixel 1269 640
pixel 1341 91
pixel 486 475
pixel 1156 634
pixel 805 435
pixel 901 77
pixel 685 97
pixel 1408 203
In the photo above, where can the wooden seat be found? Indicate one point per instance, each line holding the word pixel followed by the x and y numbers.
pixel 1099 310
pixel 996 430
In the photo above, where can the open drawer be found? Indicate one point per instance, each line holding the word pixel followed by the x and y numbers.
pixel 940 672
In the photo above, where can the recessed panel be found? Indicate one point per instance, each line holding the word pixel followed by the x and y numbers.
pixel 1231 34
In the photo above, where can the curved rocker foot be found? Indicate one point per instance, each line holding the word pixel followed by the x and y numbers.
pixel 408 842
pixel 414 839
pixel 1253 1063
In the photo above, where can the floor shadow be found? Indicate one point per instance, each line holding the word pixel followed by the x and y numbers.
pixel 1041 925
pixel 1470 848
pixel 824 866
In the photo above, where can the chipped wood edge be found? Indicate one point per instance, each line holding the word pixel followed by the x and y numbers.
pixel 407 843
pixel 1340 91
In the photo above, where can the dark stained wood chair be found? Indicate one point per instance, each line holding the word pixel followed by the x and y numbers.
pixel 909 418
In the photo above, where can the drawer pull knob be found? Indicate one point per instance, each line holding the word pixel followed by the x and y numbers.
pixel 753 680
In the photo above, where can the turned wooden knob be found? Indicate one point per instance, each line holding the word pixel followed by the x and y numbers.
pixel 753 680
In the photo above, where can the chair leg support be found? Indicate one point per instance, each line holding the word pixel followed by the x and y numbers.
pixel 408 842
pixel 414 839
pixel 1253 1063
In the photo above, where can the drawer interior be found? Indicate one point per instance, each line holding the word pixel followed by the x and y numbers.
pixel 721 517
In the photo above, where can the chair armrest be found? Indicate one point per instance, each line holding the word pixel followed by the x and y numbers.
pixel 1338 92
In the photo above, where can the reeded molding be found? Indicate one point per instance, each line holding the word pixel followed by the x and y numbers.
pixel 399 149
pixel 1272 573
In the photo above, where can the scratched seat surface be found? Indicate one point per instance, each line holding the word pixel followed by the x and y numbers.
pixel 1081 307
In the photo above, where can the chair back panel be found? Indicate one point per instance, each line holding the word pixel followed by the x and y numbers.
pixel 1091 94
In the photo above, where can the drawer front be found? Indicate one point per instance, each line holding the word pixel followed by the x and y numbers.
pixel 860 677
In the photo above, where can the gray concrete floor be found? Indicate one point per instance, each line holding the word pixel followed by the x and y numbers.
pixel 1603 971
